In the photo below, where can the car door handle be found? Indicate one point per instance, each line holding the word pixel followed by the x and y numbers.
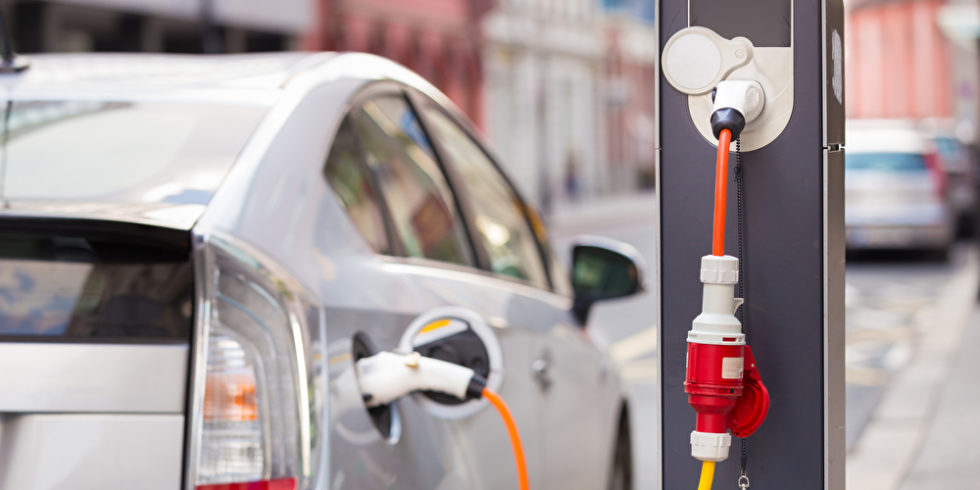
pixel 541 370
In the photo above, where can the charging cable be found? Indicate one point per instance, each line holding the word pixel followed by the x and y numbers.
pixel 515 437
pixel 388 376
pixel 707 475
pixel 716 337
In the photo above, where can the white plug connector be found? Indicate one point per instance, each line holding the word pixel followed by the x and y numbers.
pixel 717 323
pixel 744 96
pixel 387 376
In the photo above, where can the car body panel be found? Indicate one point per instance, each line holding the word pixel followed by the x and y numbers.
pixel 92 378
pixel 163 215
pixel 91 451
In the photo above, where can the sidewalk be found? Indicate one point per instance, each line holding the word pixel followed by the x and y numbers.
pixel 923 434
pixel 950 455
pixel 606 213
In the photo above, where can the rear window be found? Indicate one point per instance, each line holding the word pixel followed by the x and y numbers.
pixel 176 152
pixel 885 162
pixel 69 287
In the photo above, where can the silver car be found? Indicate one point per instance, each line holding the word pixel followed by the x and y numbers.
pixel 896 193
pixel 196 250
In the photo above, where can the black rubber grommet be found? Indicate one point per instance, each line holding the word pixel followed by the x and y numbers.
pixel 729 119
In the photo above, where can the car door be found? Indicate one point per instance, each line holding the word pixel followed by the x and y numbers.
pixel 578 395
pixel 387 177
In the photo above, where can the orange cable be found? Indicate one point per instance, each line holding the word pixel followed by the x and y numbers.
pixel 721 193
pixel 515 437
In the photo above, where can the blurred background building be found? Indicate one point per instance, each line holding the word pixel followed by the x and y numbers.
pixel 914 59
pixel 563 89
pixel 439 39
pixel 175 26
pixel 544 66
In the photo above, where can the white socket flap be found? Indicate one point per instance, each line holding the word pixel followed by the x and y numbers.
pixel 695 59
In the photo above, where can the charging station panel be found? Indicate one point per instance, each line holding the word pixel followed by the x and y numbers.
pixel 735 40
pixel 768 23
pixel 793 247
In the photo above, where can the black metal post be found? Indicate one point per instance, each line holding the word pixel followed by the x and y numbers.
pixel 794 242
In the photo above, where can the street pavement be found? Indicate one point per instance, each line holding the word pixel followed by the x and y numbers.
pixel 906 319
pixel 949 454
pixel 911 331
pixel 890 297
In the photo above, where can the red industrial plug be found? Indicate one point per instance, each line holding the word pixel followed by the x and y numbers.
pixel 722 381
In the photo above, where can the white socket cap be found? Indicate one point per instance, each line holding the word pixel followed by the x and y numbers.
pixel 719 270
pixel 710 446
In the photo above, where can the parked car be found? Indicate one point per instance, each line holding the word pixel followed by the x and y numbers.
pixel 961 173
pixel 896 194
pixel 196 250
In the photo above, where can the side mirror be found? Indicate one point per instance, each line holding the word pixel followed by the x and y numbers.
pixel 603 268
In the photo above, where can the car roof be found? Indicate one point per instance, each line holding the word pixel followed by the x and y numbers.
pixel 246 77
pixel 254 79
pixel 886 136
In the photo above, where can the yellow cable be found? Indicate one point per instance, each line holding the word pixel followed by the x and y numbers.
pixel 707 474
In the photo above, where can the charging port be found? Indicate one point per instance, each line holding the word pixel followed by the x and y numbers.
pixel 463 348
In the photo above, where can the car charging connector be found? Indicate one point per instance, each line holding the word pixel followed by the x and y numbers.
pixel 388 376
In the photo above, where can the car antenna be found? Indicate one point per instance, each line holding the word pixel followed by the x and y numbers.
pixel 9 61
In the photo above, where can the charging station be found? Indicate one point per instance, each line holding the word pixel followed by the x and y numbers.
pixel 774 68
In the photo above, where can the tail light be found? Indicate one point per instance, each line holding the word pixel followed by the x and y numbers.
pixel 250 417
pixel 934 164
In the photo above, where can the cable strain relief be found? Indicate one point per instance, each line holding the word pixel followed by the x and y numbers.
pixel 474 390
pixel 727 118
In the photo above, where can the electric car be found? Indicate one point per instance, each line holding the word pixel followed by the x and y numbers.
pixel 895 189
pixel 196 251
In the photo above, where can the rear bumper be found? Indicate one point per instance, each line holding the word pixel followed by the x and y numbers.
pixel 899 237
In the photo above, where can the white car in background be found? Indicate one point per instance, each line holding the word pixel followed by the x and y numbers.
pixel 896 194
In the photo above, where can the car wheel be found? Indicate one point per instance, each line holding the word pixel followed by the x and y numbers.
pixel 621 476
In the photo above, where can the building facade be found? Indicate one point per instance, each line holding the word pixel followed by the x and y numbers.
pixel 175 26
pixel 543 66
pixel 630 100
pixel 439 39
pixel 898 61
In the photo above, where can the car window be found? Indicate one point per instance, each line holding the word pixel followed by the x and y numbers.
pixel 350 181
pixel 72 288
pixel 886 162
pixel 414 187
pixel 500 219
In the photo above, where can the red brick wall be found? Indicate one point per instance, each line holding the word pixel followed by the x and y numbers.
pixel 439 39
pixel 897 61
